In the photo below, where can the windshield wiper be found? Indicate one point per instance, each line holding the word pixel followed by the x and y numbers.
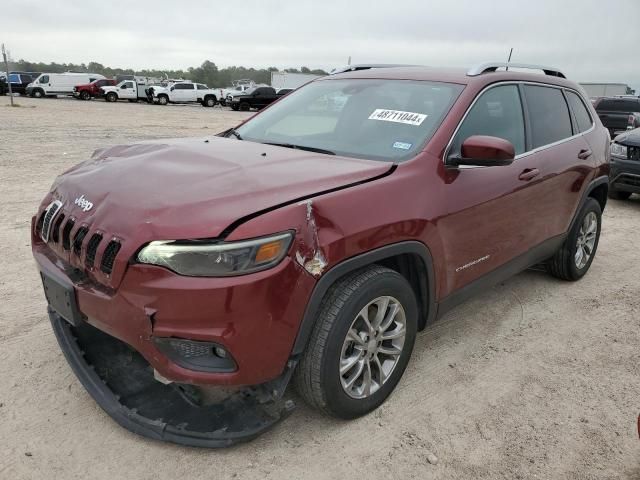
pixel 233 132
pixel 301 147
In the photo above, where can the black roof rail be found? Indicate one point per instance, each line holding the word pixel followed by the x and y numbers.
pixel 367 66
pixel 493 66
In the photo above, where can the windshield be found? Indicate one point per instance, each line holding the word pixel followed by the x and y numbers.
pixel 387 120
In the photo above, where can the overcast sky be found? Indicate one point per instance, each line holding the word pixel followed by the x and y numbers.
pixel 590 40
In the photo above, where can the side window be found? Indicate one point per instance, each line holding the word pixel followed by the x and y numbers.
pixel 549 115
pixel 44 79
pixel 631 105
pixel 579 111
pixel 497 113
pixel 14 78
pixel 201 87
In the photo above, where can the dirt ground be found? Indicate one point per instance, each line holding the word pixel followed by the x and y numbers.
pixel 534 379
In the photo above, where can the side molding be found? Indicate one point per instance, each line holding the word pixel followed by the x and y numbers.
pixel 359 261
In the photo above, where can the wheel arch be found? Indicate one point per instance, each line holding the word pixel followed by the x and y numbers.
pixel 597 189
pixel 412 259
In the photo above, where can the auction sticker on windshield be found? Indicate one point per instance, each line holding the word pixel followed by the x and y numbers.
pixel 397 116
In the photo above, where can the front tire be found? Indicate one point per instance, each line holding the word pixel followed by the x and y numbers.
pixel 361 343
pixel 111 97
pixel 163 100
pixel 37 93
pixel 84 95
pixel 573 259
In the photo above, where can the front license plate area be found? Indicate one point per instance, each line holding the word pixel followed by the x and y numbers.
pixel 62 298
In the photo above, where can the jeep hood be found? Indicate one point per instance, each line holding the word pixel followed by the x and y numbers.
pixel 195 188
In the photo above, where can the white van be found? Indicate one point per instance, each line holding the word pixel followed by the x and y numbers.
pixel 52 84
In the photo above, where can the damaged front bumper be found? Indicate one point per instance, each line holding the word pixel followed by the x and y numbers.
pixel 122 382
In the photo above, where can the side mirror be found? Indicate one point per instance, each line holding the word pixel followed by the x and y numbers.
pixel 172 89
pixel 484 151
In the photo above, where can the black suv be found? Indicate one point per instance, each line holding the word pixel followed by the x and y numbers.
pixel 624 177
pixel 18 80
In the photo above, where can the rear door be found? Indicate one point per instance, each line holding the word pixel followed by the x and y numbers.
pixel 561 154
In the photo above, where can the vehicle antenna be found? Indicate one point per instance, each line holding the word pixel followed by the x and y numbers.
pixel 509 59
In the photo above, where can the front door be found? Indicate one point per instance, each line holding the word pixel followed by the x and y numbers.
pixel 491 210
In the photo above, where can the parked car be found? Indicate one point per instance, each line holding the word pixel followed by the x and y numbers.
pixel 185 92
pixel 618 113
pixel 257 97
pixel 18 80
pixel 132 90
pixel 94 89
pixel 312 242
pixel 625 165
pixel 238 88
pixel 53 84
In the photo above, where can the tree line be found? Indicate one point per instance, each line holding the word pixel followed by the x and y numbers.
pixel 207 73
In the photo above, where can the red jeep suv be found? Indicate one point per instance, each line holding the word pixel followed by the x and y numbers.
pixel 312 242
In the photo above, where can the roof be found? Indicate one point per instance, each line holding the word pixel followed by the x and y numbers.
pixel 449 75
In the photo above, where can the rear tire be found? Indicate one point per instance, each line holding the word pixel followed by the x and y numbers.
pixel 111 97
pixel 618 195
pixel 568 263
pixel 209 102
pixel 346 354
pixel 84 95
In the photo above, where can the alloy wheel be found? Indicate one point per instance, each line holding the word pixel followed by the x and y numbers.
pixel 372 347
pixel 586 240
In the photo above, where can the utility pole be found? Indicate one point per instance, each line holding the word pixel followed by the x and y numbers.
pixel 6 65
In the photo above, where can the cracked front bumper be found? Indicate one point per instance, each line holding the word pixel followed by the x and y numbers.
pixel 122 383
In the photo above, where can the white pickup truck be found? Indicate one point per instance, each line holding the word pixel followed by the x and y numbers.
pixel 185 92
pixel 238 88
pixel 132 90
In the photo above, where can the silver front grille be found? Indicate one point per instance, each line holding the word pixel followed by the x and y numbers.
pixel 49 214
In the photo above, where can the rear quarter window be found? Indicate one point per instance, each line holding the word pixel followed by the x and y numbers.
pixel 548 113
pixel 583 119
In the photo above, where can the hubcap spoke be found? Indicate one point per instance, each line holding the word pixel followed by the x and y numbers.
pixel 586 241
pixel 372 347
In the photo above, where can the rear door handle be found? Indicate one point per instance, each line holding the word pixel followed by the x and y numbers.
pixel 529 174
pixel 584 154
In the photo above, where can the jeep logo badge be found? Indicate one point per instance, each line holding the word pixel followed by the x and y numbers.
pixel 83 203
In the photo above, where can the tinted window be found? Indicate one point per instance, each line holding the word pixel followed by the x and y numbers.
pixel 202 87
pixel 184 86
pixel 617 105
pixel 579 111
pixel 549 115
pixel 44 79
pixel 13 78
pixel 497 113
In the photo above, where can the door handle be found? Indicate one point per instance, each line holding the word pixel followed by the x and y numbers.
pixel 529 174
pixel 584 154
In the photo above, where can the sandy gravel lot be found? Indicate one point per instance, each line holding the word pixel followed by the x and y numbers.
pixel 534 379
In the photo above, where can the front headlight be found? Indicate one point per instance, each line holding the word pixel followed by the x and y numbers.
pixel 618 150
pixel 201 258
